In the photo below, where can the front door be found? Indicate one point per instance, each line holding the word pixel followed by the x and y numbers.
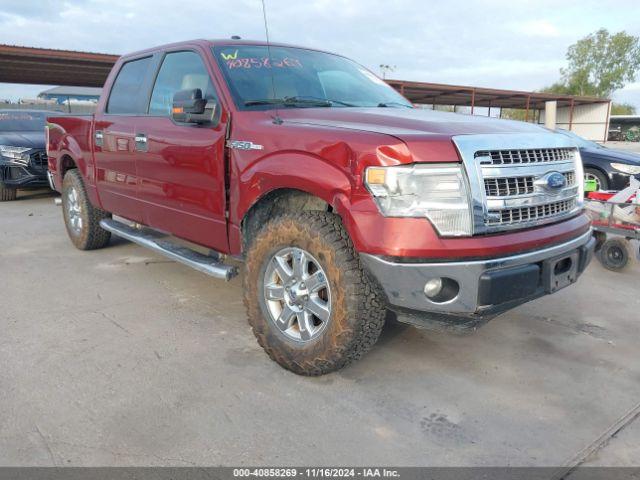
pixel 182 172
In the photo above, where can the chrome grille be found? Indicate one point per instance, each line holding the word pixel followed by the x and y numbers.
pixel 513 186
pixel 513 216
pixel 506 187
pixel 513 179
pixel 571 178
pixel 525 156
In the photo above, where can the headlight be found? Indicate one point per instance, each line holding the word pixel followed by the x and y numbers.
pixel 624 168
pixel 437 192
pixel 15 154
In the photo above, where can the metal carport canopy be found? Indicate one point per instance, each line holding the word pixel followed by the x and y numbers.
pixel 43 66
pixel 442 94
pixel 64 67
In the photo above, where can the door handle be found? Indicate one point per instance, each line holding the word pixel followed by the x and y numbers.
pixel 98 138
pixel 141 142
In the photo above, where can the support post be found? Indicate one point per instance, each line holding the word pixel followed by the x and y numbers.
pixel 606 125
pixel 473 100
pixel 550 109
pixel 571 105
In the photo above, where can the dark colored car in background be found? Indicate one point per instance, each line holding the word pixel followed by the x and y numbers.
pixel 610 168
pixel 23 159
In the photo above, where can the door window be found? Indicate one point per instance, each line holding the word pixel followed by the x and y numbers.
pixel 179 71
pixel 127 90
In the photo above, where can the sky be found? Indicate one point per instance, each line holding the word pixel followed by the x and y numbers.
pixel 513 44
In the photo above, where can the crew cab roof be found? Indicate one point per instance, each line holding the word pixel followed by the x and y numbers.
pixel 216 42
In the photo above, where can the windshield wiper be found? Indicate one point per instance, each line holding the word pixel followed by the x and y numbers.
pixel 288 102
pixel 309 98
pixel 389 104
pixel 264 101
pixel 298 100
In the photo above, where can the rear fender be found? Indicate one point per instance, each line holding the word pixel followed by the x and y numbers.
pixel 63 147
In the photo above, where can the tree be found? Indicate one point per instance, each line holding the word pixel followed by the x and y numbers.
pixel 622 109
pixel 516 114
pixel 599 64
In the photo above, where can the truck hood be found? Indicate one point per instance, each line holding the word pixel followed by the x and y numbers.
pixel 406 123
pixel 23 139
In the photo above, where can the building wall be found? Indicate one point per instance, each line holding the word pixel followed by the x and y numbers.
pixel 589 121
pixel 51 105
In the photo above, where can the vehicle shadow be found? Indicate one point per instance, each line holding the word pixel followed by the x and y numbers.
pixel 24 195
pixel 392 329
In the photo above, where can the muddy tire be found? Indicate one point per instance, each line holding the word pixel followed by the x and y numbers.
pixel 80 217
pixel 310 304
pixel 615 254
pixel 7 194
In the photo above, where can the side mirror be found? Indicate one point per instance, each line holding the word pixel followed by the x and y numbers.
pixel 189 107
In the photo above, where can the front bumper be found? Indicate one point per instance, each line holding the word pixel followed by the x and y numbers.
pixel 32 173
pixel 486 287
pixel 22 176
pixel 619 181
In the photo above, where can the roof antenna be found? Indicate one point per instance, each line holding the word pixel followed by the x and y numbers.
pixel 277 120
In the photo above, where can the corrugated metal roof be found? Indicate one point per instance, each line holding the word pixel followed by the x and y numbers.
pixel 72 91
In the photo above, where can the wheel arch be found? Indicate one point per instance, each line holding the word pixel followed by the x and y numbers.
pixel 281 183
pixel 275 203
pixel 66 163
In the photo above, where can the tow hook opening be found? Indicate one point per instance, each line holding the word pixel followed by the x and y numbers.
pixel 563 266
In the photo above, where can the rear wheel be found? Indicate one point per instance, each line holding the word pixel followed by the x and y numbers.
pixel 310 304
pixel 602 183
pixel 614 254
pixel 7 194
pixel 80 217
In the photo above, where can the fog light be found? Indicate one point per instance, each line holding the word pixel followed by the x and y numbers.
pixel 441 289
pixel 433 287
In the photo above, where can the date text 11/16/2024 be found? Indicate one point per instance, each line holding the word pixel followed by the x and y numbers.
pixel 317 472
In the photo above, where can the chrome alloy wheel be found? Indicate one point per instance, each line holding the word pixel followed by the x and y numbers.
pixel 297 294
pixel 74 211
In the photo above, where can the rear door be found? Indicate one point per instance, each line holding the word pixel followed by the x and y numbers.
pixel 114 137
pixel 182 172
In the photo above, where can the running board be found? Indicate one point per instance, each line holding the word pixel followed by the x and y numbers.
pixel 153 240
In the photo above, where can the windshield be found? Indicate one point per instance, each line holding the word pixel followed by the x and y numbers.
pixel 581 142
pixel 298 78
pixel 17 121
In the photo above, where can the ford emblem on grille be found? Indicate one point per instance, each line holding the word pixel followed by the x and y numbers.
pixel 552 181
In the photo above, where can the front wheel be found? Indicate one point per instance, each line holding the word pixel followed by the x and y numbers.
pixel 602 183
pixel 80 217
pixel 7 194
pixel 310 304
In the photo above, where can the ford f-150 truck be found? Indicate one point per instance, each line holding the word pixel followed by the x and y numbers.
pixel 342 199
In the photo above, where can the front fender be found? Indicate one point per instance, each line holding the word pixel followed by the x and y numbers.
pixel 285 170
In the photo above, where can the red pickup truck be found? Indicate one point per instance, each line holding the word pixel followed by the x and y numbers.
pixel 342 199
